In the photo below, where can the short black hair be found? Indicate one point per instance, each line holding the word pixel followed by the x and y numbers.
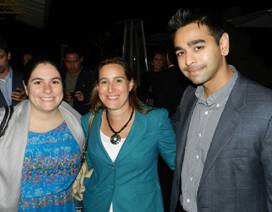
pixel 73 49
pixel 205 17
pixel 4 44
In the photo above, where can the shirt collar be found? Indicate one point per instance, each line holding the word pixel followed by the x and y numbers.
pixel 8 76
pixel 220 95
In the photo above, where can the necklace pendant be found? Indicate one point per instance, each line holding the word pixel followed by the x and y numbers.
pixel 115 138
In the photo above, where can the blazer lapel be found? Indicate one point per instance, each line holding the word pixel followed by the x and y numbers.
pixel 95 141
pixel 2 100
pixel 137 131
pixel 17 82
pixel 223 134
pixel 227 124
pixel 187 107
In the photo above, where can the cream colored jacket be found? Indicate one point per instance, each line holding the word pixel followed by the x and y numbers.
pixel 12 149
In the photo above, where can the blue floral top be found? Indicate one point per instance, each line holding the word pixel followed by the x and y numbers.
pixel 51 164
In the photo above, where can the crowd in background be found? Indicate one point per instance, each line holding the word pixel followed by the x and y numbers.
pixel 134 149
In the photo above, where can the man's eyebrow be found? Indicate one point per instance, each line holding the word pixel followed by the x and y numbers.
pixel 191 43
pixel 194 42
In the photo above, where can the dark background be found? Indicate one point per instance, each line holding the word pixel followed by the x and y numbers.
pixel 101 26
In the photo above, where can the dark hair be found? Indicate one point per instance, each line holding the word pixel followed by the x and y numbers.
pixel 184 17
pixel 96 103
pixel 72 49
pixel 4 44
pixel 171 57
pixel 157 51
pixel 33 63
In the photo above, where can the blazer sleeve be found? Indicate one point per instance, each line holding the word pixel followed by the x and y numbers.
pixel 266 158
pixel 2 113
pixel 167 140
pixel 85 124
pixel 86 127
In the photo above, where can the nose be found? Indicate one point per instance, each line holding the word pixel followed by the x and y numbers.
pixel 47 88
pixel 110 87
pixel 189 58
pixel 73 65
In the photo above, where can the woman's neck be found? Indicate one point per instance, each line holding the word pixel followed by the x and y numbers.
pixel 43 122
pixel 120 115
pixel 117 120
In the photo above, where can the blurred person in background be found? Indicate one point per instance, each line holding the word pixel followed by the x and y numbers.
pixel 77 79
pixel 11 81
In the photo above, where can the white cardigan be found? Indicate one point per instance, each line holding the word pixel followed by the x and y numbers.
pixel 12 149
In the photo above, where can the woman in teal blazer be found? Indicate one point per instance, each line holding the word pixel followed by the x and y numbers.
pixel 125 175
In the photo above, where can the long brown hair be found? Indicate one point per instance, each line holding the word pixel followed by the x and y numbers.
pixel 134 101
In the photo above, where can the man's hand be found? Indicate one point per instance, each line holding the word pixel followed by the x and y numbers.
pixel 18 95
pixel 79 96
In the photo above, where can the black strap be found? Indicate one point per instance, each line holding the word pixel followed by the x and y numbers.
pixel 5 120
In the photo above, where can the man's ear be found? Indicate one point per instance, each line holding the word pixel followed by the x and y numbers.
pixel 9 56
pixel 224 44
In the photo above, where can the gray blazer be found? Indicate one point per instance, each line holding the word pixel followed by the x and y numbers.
pixel 17 82
pixel 237 175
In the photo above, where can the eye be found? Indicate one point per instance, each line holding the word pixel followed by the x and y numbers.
pixel 56 82
pixel 36 82
pixel 102 82
pixel 119 80
pixel 179 53
pixel 197 48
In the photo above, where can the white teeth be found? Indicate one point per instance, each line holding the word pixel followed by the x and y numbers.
pixel 112 97
pixel 47 98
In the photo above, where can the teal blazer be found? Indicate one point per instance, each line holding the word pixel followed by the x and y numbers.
pixel 131 183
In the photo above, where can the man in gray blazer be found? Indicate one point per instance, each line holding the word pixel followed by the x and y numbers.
pixel 223 125
pixel 11 81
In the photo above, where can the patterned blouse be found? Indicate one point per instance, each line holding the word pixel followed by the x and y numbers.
pixel 50 166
